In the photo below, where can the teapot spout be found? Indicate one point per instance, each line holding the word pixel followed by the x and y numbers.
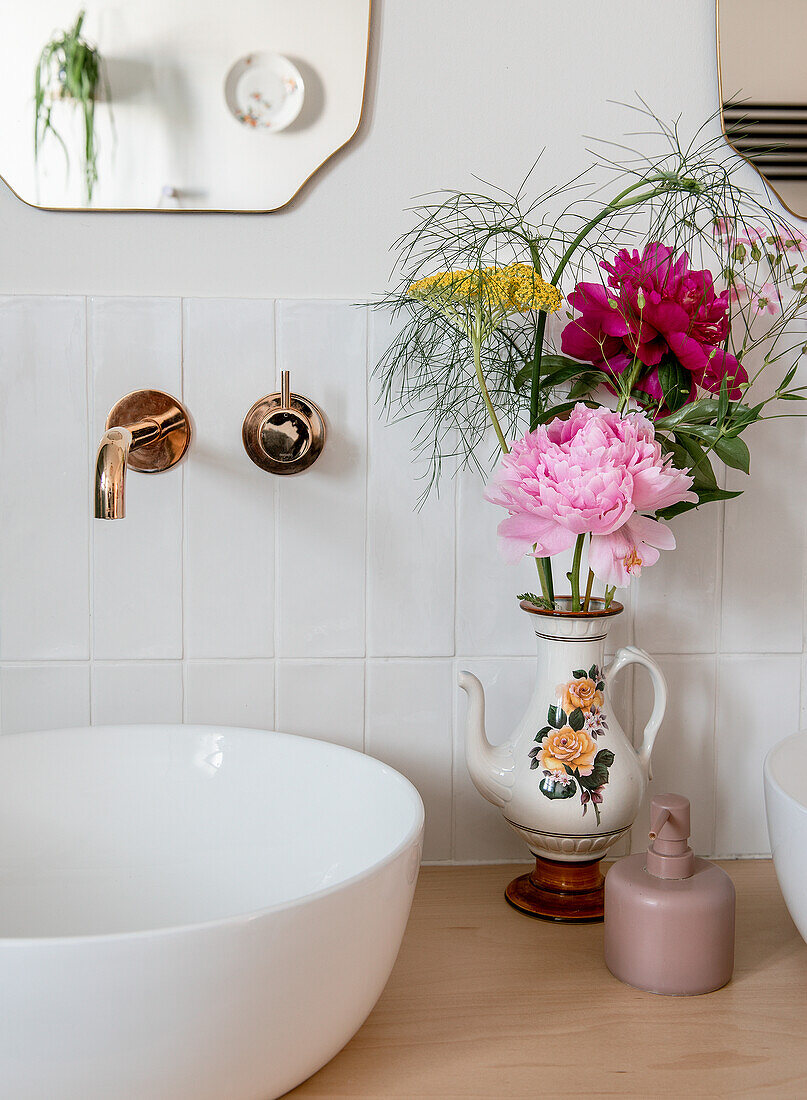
pixel 491 766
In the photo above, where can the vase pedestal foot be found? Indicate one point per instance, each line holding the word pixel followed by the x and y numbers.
pixel 572 893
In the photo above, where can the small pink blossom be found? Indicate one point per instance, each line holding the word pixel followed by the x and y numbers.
pixel 619 557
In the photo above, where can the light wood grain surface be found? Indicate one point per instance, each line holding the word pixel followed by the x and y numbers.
pixel 485 1002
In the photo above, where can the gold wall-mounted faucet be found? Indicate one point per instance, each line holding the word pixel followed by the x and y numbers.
pixel 147 430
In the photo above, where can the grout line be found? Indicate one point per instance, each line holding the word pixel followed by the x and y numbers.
pixel 183 555
pixel 353 658
pixel 90 403
pixel 720 550
pixel 367 586
pixel 276 501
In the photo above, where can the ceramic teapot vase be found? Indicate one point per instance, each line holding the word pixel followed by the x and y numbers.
pixel 569 781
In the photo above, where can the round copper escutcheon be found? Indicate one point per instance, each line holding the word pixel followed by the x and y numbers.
pixel 137 410
pixel 284 438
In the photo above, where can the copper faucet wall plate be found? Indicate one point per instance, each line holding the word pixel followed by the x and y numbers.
pixel 170 417
pixel 284 433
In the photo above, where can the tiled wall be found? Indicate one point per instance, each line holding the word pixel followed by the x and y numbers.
pixel 325 604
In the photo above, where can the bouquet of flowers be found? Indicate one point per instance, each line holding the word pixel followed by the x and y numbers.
pixel 670 349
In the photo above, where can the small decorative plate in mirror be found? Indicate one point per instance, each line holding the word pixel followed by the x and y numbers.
pixel 264 91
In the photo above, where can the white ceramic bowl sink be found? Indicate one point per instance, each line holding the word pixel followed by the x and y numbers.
pixel 192 912
pixel 786 806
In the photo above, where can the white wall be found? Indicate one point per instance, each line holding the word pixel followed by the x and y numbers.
pixel 456 87
pixel 325 604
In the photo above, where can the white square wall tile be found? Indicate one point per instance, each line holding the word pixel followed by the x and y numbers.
pixel 408 725
pixel 764 545
pixel 229 502
pixel 683 756
pixel 489 621
pixel 323 699
pixel 410 557
pixel 141 691
pixel 136 343
pixel 230 693
pixel 676 602
pixel 322 512
pixel 41 697
pixel 758 705
pixel 480 832
pixel 45 504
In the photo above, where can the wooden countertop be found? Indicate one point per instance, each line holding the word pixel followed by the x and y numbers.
pixel 485 1002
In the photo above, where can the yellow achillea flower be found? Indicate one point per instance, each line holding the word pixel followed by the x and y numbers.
pixel 477 301
pixel 496 291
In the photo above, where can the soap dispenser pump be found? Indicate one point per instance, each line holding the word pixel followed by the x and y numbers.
pixel 669 916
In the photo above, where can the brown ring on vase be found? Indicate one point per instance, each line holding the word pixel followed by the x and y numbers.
pixel 600 613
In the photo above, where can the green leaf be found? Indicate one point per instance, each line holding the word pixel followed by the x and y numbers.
pixel 596 778
pixel 592 672
pixel 792 397
pixel 537 601
pixel 556 717
pixel 675 382
pixel 586 382
pixel 556 410
pixel 788 378
pixel 541 734
pixel 552 788
pixel 599 773
pixel 577 720
pixel 741 416
pixel 579 674
pixel 696 412
pixel 556 370
pixel 705 496
pixel 734 452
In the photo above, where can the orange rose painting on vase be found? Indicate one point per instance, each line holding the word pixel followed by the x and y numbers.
pixel 566 749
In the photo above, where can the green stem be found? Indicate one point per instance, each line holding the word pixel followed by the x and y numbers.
pixel 574 576
pixel 627 385
pixel 609 595
pixel 589 586
pixel 476 344
pixel 545 590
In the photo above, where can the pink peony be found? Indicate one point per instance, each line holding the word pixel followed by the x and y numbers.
pixel 590 474
pixel 654 306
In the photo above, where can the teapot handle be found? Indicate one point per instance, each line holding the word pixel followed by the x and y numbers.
pixel 631 655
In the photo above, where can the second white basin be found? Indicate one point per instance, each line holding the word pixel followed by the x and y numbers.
pixel 191 912
pixel 785 775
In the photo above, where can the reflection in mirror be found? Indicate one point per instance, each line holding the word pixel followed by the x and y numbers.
pixel 169 104
pixel 764 90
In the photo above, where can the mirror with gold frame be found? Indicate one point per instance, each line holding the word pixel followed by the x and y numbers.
pixel 177 104
pixel 763 90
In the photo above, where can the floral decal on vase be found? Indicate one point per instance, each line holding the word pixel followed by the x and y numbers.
pixel 567 747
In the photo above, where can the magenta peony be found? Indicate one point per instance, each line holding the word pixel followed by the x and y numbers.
pixel 591 474
pixel 654 306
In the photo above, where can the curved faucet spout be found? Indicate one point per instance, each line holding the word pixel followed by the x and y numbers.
pixel 155 428
pixel 110 474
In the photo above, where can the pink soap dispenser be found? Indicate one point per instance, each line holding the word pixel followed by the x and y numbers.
pixel 669 916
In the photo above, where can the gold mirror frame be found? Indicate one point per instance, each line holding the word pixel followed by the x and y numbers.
pixel 769 186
